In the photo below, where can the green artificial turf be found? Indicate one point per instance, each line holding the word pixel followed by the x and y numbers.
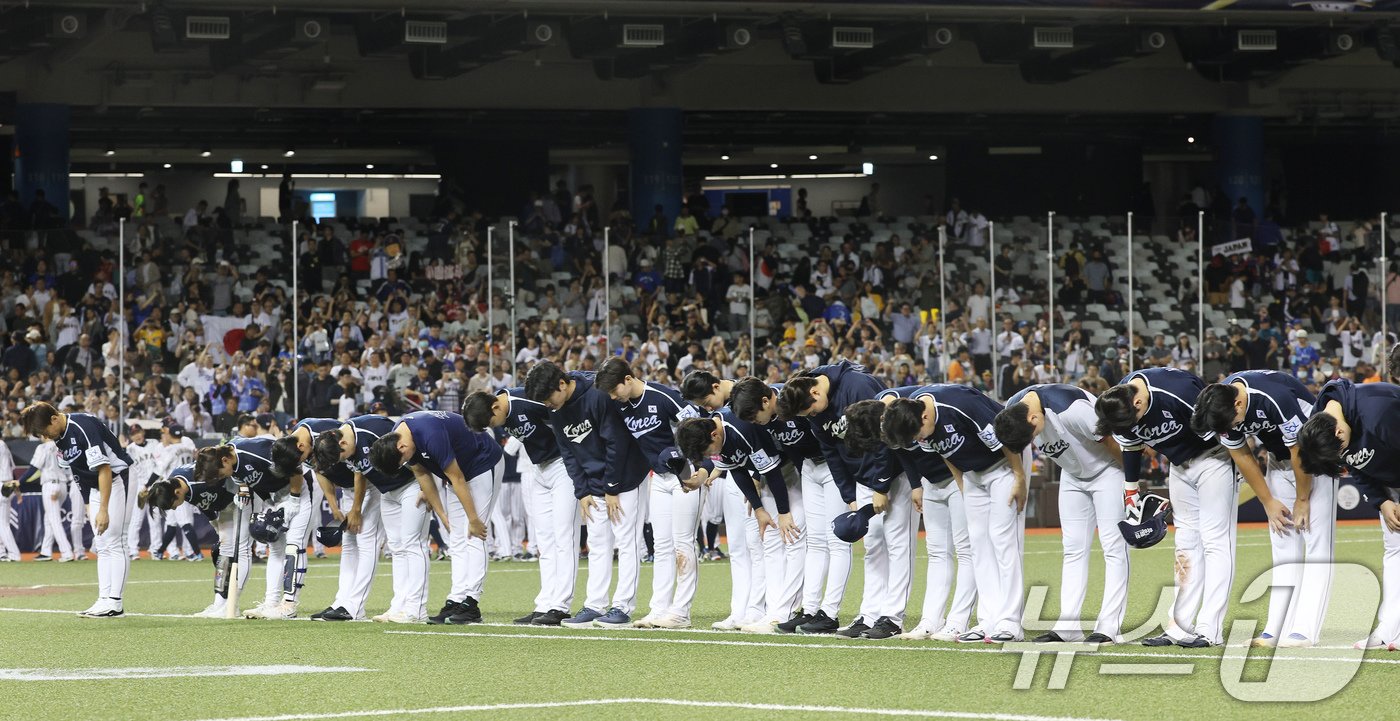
pixel 493 663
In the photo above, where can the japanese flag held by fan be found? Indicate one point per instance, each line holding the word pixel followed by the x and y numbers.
pixel 224 335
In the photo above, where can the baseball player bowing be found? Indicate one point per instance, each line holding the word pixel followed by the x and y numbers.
pixel 956 422
pixel 394 501
pixel 180 489
pixel 1153 408
pixel 608 472
pixel 1353 427
pixel 286 518
pixel 551 512
pixel 820 396
pixel 436 444
pixel 828 558
pixel 748 597
pixel 1271 408
pixel 87 448
pixel 937 497
pixel 1059 419
pixel 651 412
pixel 747 453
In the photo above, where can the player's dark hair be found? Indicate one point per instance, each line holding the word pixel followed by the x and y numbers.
pixel 325 451
pixel 903 419
pixel 747 396
pixel 863 426
pixel 207 462
pixel 543 380
pixel 1013 426
pixel 1319 449
pixel 1215 409
pixel 796 397
pixel 384 454
pixel 161 494
pixel 698 384
pixel 611 374
pixel 286 459
pixel 477 410
pixel 1392 363
pixel 36 417
pixel 693 438
pixel 1115 410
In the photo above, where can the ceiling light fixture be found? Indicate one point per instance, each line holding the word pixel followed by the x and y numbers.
pixel 289 153
pixel 933 157
pixel 111 150
pixel 811 157
pixel 206 152
pixel 167 166
pixel 724 157
pixel 773 166
pixel 369 166
pixel 1190 138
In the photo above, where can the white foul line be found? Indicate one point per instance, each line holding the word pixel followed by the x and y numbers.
pixel 120 674
pixel 1009 653
pixel 918 713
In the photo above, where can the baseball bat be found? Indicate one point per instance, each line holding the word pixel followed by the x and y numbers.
pixel 231 601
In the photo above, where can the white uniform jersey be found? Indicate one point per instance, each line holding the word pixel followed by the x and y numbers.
pixel 174 455
pixel 1069 438
pixel 144 461
pixel 46 460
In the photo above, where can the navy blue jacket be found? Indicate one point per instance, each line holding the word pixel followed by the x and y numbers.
pixel 367 430
pixel 849 383
pixel 209 498
pixel 597 448
pixel 1279 403
pixel 749 450
pixel 652 421
pixel 1373 456
pixel 253 467
pixel 86 445
pixel 441 438
pixel 963 432
pixel 1166 426
pixel 795 438
pixel 528 421
pixel 340 476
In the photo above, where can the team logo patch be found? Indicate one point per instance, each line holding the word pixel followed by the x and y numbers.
pixel 948 428
pixel 1360 458
pixel 1056 449
pixel 837 428
pixel 651 409
pixel 1166 414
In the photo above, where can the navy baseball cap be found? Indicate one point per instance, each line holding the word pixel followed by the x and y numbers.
pixel 378 406
pixel 852 525
pixel 267 420
pixel 172 426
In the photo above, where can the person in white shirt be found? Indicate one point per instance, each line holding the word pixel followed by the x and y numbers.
pixel 738 296
pixel 977 226
pixel 979 306
pixel 53 482
pixel 198 374
pixel 376 375
pixel 1237 293
pixel 193 215
pixel 144 465
pixel 1008 341
pixel 956 219
pixel 529 354
pixel 7 537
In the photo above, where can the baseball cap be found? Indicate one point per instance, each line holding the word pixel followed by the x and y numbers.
pixel 378 407
pixel 134 428
pixel 266 420
pixel 851 526
pixel 1300 334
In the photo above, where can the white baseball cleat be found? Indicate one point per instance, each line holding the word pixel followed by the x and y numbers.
pixel 103 609
pixel 1264 640
pixel 762 627
pixel 918 633
pixel 671 621
pixel 947 633
pixel 727 624
pixel 1295 640
pixel 647 621
pixel 281 611
pixel 261 610
pixel 1370 642
pixel 399 617
pixel 214 610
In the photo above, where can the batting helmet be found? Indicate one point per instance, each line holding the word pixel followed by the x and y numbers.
pixel 268 525
pixel 1147 522
pixel 330 535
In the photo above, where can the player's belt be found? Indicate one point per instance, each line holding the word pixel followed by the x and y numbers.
pixel 1215 452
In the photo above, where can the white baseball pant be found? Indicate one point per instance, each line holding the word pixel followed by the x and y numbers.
pixel 77 518
pixel 134 518
pixel 1388 617
pixel 552 515
pixel 110 545
pixel 1204 495
pixel 1302 575
pixel 297 510
pixel 179 518
pixel 998 533
pixel 828 563
pixel 949 556
pixel 318 498
pixel 889 554
pixel 54 532
pixel 748 593
pixel 508 519
pixel 784 564
pixel 7 537
pixel 468 553
pixel 405 524
pixel 226 528
pixel 359 552
pixel 675 514
pixel 1086 504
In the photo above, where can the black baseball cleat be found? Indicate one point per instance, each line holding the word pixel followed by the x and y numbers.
pixel 448 609
pixel 1099 638
pixel 467 612
pixel 820 623
pixel 790 625
pixel 552 617
pixel 855 630
pixel 321 615
pixel 885 627
pixel 527 619
pixel 1163 640
pixel 1198 641
pixel 336 614
pixel 1049 637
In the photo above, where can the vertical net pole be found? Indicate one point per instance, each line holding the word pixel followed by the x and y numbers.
pixel 607 294
pixel 942 305
pixel 296 339
pixel 490 302
pixel 121 322
pixel 753 278
pixel 1050 275
pixel 1130 291
pixel 994 323
pixel 513 290
pixel 1200 277
pixel 1384 284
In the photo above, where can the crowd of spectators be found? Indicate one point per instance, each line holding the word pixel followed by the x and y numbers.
pixel 405 316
